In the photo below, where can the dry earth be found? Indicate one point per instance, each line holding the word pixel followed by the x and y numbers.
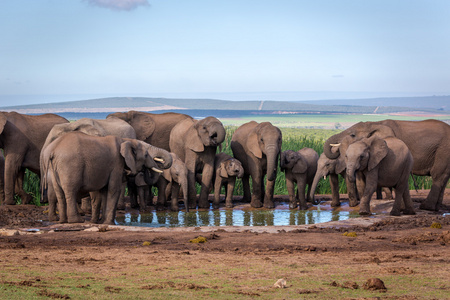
pixel 404 249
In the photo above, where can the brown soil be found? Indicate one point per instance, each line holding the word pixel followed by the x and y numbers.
pixel 403 245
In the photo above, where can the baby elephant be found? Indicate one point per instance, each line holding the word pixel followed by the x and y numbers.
pixel 299 167
pixel 226 169
pixel 383 162
pixel 169 183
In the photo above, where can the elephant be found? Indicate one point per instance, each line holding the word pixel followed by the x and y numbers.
pixel 428 141
pixel 139 190
pixel 77 163
pixel 21 138
pixel 26 198
pixel 169 183
pixel 257 146
pixel 383 162
pixel 152 128
pixel 112 126
pixel 299 167
pixel 226 170
pixel 195 142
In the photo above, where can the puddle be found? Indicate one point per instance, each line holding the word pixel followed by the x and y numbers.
pixel 238 216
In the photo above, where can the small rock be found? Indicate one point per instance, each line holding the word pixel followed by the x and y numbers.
pixel 374 284
pixel 281 283
pixel 93 229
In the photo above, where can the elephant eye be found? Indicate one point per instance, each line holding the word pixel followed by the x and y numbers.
pixel 353 135
pixel 261 139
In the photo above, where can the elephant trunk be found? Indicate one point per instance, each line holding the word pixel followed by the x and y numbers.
pixel 314 185
pixel 282 161
pixel 217 135
pixel 335 139
pixel 272 162
pixel 162 157
pixel 351 173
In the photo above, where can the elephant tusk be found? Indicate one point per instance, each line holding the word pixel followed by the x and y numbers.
pixel 157 170
pixel 158 159
pixel 324 177
pixel 335 145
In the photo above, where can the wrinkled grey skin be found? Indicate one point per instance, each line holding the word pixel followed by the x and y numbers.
pixel 299 167
pixel 152 128
pixel 94 127
pixel 26 198
pixel 257 146
pixel 77 163
pixel 428 141
pixel 195 143
pixel 329 167
pixel 139 191
pixel 21 138
pixel 169 184
pixel 383 162
pixel 226 170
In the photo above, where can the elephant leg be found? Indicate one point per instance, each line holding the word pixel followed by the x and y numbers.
pixel 230 191
pixel 72 207
pixel 291 192
pixel 371 187
pixel 12 166
pixel 174 197
pixel 96 201
pixel 256 195
pixel 217 189
pixel 86 205
pixel 52 202
pixel 379 194
pixel 141 198
pixel 109 214
pixel 301 194
pixel 162 194
pixel 334 184
pixel 409 207
pixel 246 187
pixel 268 196
pixel 207 175
pixel 192 192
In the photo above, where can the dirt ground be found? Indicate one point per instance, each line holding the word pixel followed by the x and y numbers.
pixel 381 246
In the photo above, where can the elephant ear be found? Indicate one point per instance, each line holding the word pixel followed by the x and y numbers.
pixel 193 140
pixel 167 174
pixel 282 160
pixel 126 150
pixel 253 144
pixel 3 121
pixel 378 151
pixel 223 170
pixel 143 124
pixel 139 179
pixel 340 165
pixel 300 166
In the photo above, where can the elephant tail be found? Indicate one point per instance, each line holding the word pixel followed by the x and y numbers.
pixel 44 181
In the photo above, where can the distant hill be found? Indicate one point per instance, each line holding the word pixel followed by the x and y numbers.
pixel 434 105
pixel 441 103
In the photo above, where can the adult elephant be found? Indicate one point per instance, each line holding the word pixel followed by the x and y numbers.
pixel 428 141
pixel 78 163
pixel 195 143
pixel 151 128
pixel 111 126
pixel 22 137
pixel 257 146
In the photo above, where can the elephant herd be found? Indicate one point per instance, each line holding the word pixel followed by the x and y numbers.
pixel 95 160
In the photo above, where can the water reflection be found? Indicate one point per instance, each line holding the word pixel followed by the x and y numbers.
pixel 234 217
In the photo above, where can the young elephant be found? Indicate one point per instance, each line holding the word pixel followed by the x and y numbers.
pixel 257 146
pixel 300 168
pixel 226 170
pixel 383 162
pixel 77 163
pixel 169 183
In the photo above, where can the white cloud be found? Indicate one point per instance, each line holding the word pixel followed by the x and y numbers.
pixel 119 4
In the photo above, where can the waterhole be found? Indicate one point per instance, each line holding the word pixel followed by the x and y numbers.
pixel 238 216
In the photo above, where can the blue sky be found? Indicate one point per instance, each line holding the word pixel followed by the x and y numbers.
pixel 53 50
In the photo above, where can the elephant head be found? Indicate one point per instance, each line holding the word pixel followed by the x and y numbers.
pixel 139 155
pixel 266 139
pixel 231 167
pixel 294 161
pixel 365 154
pixel 208 132
pixel 355 133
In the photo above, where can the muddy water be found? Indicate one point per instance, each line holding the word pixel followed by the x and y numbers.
pixel 238 216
